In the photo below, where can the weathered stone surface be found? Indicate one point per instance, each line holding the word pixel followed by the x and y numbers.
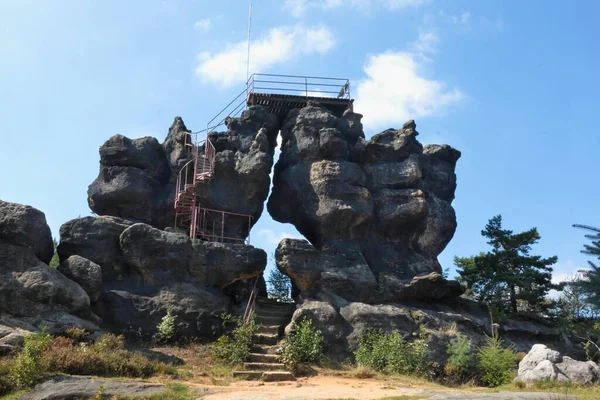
pixel 86 273
pixel 96 239
pixel 32 294
pixel 85 387
pixel 197 309
pixel 378 212
pixel 29 287
pixel 586 372
pixel 343 323
pixel 26 226
pixel 536 355
pixel 244 158
pixel 157 257
pixel 543 364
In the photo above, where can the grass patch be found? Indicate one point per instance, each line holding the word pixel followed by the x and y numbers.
pixel 560 388
pixel 174 391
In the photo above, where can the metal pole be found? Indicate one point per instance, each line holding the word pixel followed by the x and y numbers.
pixel 248 55
pixel 306 87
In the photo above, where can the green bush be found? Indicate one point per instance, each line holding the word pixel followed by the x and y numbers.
pixel 497 364
pixel 461 363
pixel 389 352
pixel 166 327
pixel 28 368
pixel 106 357
pixel 303 346
pixel 7 385
pixel 235 347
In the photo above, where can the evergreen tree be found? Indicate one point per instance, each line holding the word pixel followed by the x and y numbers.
pixel 589 284
pixel 508 276
pixel 55 262
pixel 280 286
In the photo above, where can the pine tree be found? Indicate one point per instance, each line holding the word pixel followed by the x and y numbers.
pixel 589 284
pixel 508 276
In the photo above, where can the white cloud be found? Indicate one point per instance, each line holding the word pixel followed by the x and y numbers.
pixel 280 45
pixel 203 25
pixel 395 91
pixel 298 8
pixel 272 237
pixel 426 43
pixel 461 19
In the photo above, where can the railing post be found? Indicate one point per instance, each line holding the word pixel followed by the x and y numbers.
pixel 306 86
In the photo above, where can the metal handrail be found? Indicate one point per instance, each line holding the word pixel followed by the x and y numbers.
pixel 312 85
pixel 251 303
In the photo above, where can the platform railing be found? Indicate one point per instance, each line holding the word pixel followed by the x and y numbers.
pixel 307 86
pixel 211 225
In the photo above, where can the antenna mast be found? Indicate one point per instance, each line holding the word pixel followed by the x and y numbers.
pixel 248 56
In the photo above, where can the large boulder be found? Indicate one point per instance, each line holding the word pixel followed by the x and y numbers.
pixel 377 212
pixel 197 309
pixel 26 226
pixel 95 239
pixel 32 294
pixel 544 364
pixel 86 273
pixel 243 163
pixel 156 258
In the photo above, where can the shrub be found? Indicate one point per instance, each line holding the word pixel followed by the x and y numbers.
pixel 28 368
pixel 166 327
pixel 460 365
pixel 7 385
pixel 235 347
pixel 77 334
pixel 106 357
pixel 389 352
pixel 303 346
pixel 496 363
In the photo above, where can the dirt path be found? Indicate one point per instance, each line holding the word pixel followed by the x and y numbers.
pixel 321 387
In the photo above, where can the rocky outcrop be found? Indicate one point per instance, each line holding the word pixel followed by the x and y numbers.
pixel 544 364
pixel 343 323
pixel 244 159
pixel 151 271
pixel 26 226
pixel 32 294
pixel 86 273
pixel 377 212
pixel 138 176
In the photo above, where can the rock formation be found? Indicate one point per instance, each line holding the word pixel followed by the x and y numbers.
pixel 544 364
pixel 146 270
pixel 137 177
pixel 32 294
pixel 376 212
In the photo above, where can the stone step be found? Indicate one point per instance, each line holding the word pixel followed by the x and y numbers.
pixel 277 376
pixel 264 338
pixel 264 349
pixel 259 366
pixel 263 358
pixel 267 376
pixel 269 320
pixel 248 375
pixel 271 329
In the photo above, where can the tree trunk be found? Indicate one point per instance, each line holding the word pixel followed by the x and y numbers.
pixel 513 298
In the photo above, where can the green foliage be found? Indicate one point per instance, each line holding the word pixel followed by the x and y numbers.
pixel 496 363
pixel 106 357
pixel 77 334
pixel 235 347
pixel 508 276
pixel 166 327
pixel 461 363
pixel 28 367
pixel 280 286
pixel 589 284
pixel 55 261
pixel 303 346
pixel 389 352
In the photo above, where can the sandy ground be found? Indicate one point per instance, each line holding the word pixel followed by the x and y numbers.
pixel 320 387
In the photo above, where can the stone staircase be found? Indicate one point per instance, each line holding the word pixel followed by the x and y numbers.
pixel 263 363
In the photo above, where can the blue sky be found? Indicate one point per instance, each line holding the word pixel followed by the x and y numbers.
pixel 514 85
